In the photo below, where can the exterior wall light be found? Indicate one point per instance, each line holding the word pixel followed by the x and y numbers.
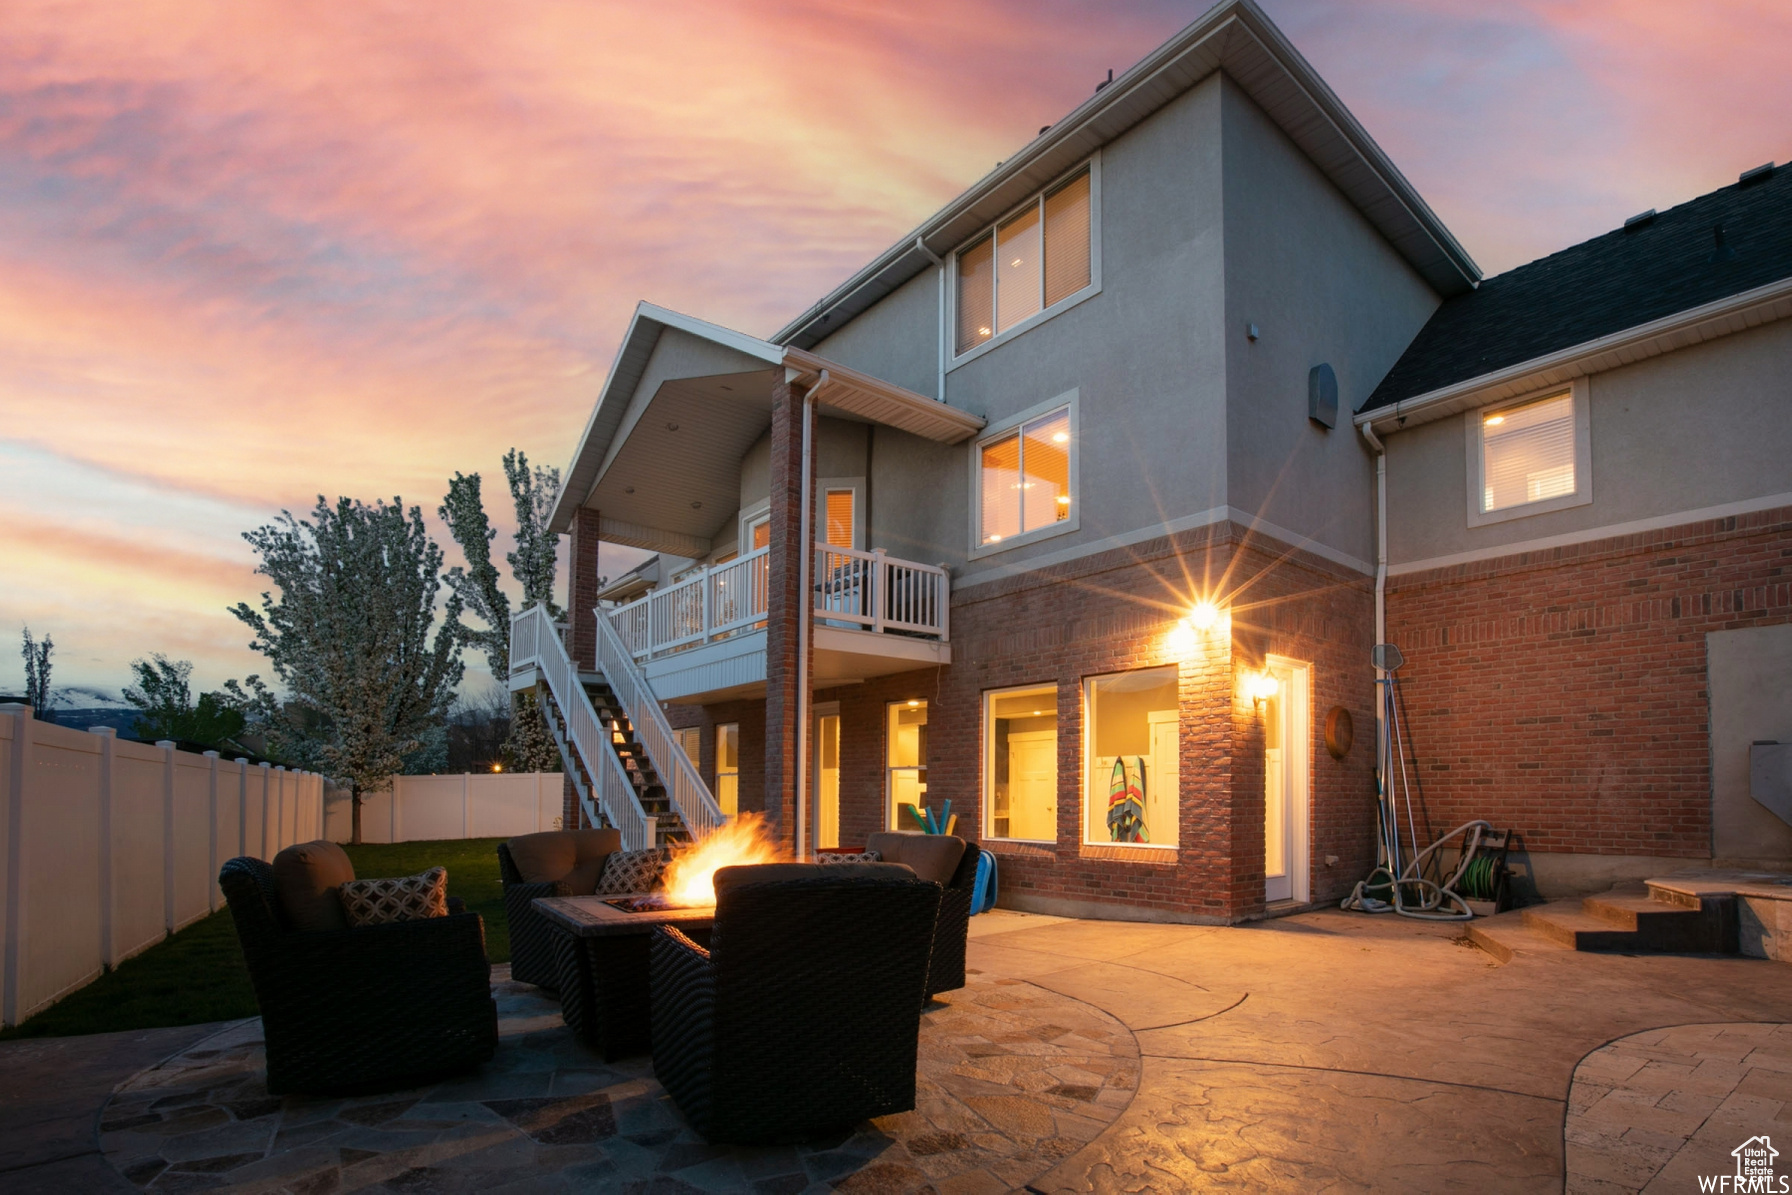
pixel 497 767
pixel 1202 620
pixel 1261 687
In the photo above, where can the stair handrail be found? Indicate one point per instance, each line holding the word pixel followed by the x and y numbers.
pixel 690 797
pixel 531 631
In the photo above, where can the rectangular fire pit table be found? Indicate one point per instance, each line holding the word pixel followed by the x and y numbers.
pixel 601 954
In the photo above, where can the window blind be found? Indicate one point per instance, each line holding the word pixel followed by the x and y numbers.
pixel 1067 239
pixel 1527 453
pixel 976 294
pixel 839 516
pixel 1018 269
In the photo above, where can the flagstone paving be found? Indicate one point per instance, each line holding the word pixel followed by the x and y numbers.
pixel 1013 1078
pixel 1324 1051
pixel 1657 1111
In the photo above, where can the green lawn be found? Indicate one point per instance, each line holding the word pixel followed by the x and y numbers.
pixel 197 975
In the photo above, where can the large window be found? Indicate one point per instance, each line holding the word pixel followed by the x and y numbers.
pixel 1036 258
pixel 1529 457
pixel 1023 479
pixel 1020 763
pixel 906 763
pixel 1132 791
pixel 728 767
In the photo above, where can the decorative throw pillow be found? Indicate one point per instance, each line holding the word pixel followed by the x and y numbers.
pixel 633 871
pixel 410 898
pixel 859 857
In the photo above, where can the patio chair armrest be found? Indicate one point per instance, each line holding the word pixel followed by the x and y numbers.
pixel 684 1006
pixel 442 953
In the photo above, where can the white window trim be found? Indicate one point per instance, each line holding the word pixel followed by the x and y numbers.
pixel 1474 422
pixel 1065 401
pixel 986 746
pixel 857 486
pixel 759 512
pixel 1084 782
pixel 954 359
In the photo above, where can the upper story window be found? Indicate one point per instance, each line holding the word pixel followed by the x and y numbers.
pixel 1023 478
pixel 1529 457
pixel 1027 264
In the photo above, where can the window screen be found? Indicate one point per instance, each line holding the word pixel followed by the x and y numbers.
pixel 1527 453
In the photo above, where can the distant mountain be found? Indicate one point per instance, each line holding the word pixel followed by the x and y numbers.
pixel 122 719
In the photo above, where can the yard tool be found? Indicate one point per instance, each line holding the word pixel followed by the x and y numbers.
pixel 1397 886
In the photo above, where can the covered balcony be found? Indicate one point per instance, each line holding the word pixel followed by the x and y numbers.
pixel 704 637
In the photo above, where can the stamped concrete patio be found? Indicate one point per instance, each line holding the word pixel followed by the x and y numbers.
pixel 1324 1051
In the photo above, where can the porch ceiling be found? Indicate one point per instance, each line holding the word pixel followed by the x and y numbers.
pixel 663 467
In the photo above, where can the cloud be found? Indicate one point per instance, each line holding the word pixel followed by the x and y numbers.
pixel 253 252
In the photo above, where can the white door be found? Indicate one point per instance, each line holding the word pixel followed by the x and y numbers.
pixel 827 780
pixel 1286 742
pixel 1033 785
pixel 1163 788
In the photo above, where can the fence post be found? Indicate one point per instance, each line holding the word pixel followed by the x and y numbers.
pixel 108 936
pixel 211 877
pixel 15 862
pixel 167 747
pixel 267 772
pixel 466 804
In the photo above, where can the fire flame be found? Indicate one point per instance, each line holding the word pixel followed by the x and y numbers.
pixel 690 876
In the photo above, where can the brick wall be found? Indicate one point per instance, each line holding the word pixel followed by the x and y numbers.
pixel 1113 613
pixel 1563 692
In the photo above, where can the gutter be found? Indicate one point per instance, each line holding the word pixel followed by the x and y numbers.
pixel 806 618
pixel 939 264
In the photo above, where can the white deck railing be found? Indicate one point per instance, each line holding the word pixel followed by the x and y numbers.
pixel 535 643
pixel 869 590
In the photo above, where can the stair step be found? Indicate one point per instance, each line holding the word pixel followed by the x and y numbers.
pixel 1566 923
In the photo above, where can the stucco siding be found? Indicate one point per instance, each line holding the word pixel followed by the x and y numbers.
pixel 1322 286
pixel 1145 354
pixel 898 339
pixel 1698 428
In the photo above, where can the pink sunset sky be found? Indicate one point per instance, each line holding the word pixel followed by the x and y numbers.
pixel 253 252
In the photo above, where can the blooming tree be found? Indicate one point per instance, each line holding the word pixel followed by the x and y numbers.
pixel 530 746
pixel 349 637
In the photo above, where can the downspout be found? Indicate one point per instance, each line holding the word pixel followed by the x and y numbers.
pixel 1381 561
pixel 940 356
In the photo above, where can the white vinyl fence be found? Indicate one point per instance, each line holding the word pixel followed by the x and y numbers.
pixel 108 845
pixel 469 805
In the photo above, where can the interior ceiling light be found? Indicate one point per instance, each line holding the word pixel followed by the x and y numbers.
pixel 1061 438
pixel 913 704
pixel 1495 420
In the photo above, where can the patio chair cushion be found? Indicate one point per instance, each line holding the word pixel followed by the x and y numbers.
pixel 825 858
pixel 407 898
pixel 306 878
pixel 571 857
pixel 633 871
pixel 932 856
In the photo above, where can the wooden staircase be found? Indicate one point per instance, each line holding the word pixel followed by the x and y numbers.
pixel 649 789
pixel 1630 919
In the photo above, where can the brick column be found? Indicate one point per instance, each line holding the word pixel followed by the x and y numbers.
pixel 581 590
pixel 785 607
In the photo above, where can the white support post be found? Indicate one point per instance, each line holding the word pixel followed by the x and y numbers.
pixel 167 747
pixel 880 578
pixel 108 898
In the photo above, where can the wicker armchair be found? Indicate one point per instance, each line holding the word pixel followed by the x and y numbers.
pixel 804 1013
pixel 379 1007
pixel 575 855
pixel 932 858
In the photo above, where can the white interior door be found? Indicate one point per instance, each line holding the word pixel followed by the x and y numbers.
pixel 1287 740
pixel 827 780
pixel 1033 785
pixel 1163 787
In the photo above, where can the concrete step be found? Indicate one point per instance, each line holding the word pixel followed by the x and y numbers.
pixel 1504 936
pixel 1566 923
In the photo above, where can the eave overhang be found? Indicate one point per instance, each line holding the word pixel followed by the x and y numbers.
pixel 1235 37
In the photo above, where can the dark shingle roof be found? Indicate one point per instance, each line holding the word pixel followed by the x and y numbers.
pixel 1625 278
